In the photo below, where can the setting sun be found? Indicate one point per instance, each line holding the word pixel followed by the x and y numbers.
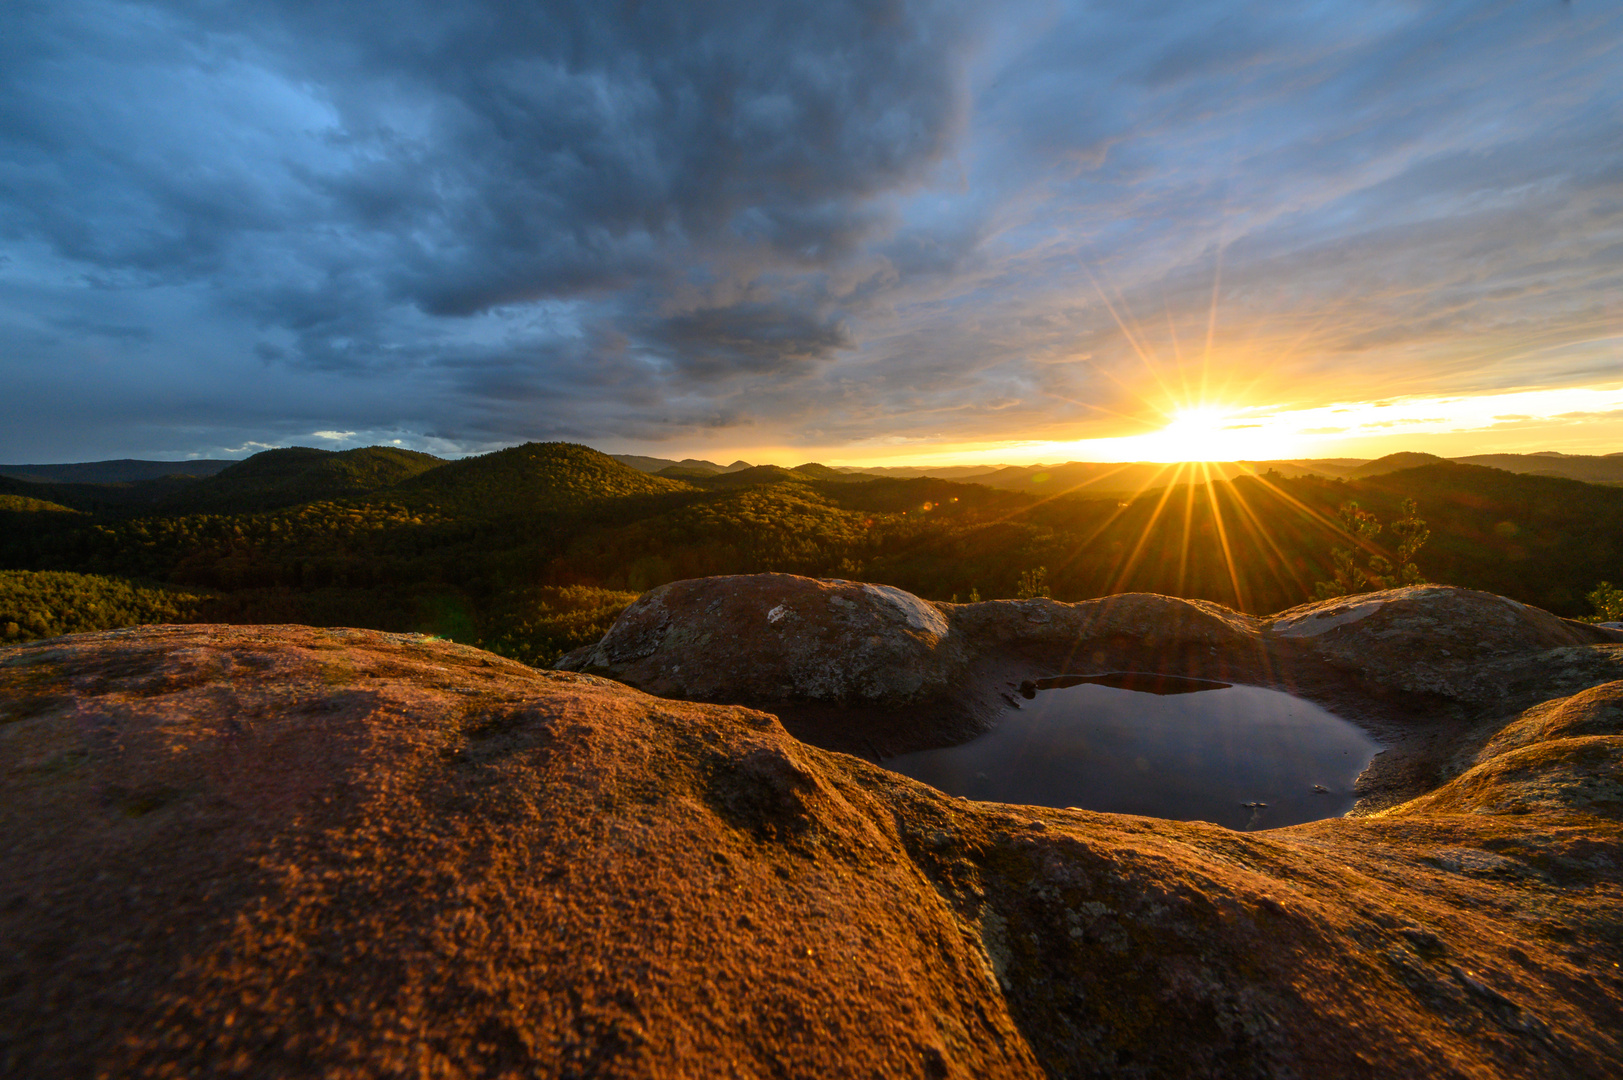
pixel 1197 434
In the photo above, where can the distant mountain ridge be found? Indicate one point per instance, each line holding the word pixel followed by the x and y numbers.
pixel 809 472
pixel 116 471
pixel 1607 469
pixel 687 465
pixel 286 476
pixel 460 548
pixel 909 472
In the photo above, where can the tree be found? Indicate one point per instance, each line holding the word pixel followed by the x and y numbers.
pixel 1608 602
pixel 1412 533
pixel 1033 583
pixel 1360 567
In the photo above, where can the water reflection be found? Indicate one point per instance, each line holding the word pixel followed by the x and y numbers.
pixel 1143 681
pixel 1164 746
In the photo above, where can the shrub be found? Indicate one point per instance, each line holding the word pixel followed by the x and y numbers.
pixel 1607 600
pixel 1032 583
pixel 1359 567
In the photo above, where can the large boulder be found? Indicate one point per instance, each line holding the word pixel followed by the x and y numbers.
pixel 885 671
pixel 280 851
pixel 778 637
pixel 874 670
pixel 1423 638
pixel 1432 623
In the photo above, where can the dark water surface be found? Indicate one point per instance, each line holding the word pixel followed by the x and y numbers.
pixel 1162 746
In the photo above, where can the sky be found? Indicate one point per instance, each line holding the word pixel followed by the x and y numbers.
pixel 855 232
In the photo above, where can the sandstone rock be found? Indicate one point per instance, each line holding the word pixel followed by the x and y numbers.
pixel 1426 639
pixel 1400 661
pixel 1582 776
pixel 1596 711
pixel 1562 756
pixel 1427 621
pixel 777 637
pixel 280 851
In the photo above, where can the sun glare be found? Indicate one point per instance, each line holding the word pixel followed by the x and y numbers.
pixel 1505 422
pixel 1198 434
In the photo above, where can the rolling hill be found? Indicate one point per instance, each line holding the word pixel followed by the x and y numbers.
pixel 530 479
pixel 1589 469
pixel 1392 463
pixel 299 474
pixel 120 471
pixel 528 548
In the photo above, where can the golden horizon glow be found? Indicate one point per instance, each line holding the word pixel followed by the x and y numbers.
pixel 1570 419
pixel 1196 434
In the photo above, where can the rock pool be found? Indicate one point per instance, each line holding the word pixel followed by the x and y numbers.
pixel 1130 743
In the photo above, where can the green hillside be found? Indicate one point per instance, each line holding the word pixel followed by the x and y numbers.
pixel 299 474
pixel 531 479
pixel 754 476
pixel 1544 540
pixel 819 471
pixel 533 549
pixel 26 504
pixel 40 605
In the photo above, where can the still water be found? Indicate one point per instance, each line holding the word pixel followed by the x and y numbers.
pixel 1162 746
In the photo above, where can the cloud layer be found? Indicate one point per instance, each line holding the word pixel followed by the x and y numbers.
pixel 776 224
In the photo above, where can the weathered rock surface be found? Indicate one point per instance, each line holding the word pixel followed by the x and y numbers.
pixel 1561 756
pixel 779 637
pixel 1419 666
pixel 280 851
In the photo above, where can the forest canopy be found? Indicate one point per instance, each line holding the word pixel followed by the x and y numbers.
pixel 534 550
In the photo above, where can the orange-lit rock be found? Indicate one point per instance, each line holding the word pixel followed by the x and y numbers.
pixel 281 851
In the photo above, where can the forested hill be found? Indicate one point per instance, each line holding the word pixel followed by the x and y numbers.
pixel 536 478
pixel 299 474
pixel 532 550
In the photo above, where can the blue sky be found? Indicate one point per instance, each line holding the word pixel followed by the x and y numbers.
pixel 849 231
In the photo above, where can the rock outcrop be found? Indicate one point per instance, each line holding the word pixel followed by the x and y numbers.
pixel 281 851
pixel 782 638
pixel 767 637
pixel 877 672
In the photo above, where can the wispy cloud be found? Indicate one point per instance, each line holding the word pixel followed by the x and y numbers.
pixel 750 224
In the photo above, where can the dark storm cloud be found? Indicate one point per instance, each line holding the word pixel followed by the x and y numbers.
pixel 460 157
pixel 760 339
pixel 464 224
